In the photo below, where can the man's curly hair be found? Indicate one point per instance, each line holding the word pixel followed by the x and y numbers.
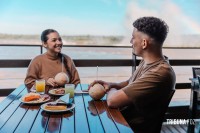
pixel 152 26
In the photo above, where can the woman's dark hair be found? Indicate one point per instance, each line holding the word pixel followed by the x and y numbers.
pixel 44 34
pixel 152 26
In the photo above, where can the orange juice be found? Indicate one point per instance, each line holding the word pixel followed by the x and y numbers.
pixel 40 86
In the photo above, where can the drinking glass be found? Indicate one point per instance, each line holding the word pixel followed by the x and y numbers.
pixel 69 88
pixel 40 86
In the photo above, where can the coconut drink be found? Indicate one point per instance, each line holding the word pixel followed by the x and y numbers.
pixel 97 91
pixel 61 78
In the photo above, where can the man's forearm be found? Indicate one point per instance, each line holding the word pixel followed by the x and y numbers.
pixel 119 85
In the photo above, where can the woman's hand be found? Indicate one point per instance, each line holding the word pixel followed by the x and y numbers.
pixel 51 82
pixel 106 85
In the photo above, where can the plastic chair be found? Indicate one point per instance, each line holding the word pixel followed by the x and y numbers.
pixel 195 71
pixel 194 103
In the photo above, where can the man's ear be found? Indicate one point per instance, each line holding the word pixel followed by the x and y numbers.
pixel 144 43
pixel 44 44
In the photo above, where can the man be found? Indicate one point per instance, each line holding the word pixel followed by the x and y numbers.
pixel 145 96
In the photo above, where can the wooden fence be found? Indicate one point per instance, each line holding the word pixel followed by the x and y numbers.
pixel 23 63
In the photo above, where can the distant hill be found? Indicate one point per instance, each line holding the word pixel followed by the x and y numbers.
pixel 171 41
pixel 67 40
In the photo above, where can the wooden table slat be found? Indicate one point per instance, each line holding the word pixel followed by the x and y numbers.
pixel 54 124
pixel 119 120
pixel 28 120
pixel 84 86
pixel 40 123
pixel 92 114
pixel 13 122
pixel 105 117
pixel 67 123
pixel 81 123
pixel 8 112
pixel 11 97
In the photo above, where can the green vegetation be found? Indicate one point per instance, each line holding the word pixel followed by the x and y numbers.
pixel 12 36
pixel 70 40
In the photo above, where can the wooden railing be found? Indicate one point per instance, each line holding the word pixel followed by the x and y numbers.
pixel 20 63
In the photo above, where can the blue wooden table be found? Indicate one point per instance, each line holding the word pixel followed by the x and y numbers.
pixel 87 116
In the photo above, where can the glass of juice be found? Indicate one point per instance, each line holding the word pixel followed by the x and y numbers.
pixel 40 86
pixel 69 88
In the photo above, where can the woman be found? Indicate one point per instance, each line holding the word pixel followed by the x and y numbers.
pixel 47 65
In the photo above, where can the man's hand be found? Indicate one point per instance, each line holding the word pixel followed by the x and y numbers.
pixel 51 82
pixel 106 85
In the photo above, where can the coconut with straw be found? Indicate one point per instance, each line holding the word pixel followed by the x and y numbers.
pixel 62 78
pixel 97 91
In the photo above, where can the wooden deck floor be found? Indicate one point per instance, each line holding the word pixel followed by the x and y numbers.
pixel 174 129
pixel 182 128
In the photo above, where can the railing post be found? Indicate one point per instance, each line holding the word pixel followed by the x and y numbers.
pixel 41 49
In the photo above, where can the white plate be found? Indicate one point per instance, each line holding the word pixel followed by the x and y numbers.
pixel 55 111
pixel 34 102
pixel 52 92
pixel 80 92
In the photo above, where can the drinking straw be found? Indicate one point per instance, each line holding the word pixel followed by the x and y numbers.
pixel 97 73
pixel 62 63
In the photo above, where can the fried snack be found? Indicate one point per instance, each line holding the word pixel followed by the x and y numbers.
pixel 55 107
pixel 31 97
pixel 60 91
pixel 43 98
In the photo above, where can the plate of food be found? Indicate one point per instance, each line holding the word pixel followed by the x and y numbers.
pixel 57 92
pixel 59 107
pixel 35 98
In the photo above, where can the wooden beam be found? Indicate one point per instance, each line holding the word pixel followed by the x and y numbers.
pixel 14 63
pixel 6 92
pixel 176 62
pixel 96 62
pixel 103 62
pixel 183 86
pixel 79 63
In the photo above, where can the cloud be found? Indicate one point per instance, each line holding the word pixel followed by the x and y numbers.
pixel 179 23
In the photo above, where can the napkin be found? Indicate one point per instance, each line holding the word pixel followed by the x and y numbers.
pixel 65 98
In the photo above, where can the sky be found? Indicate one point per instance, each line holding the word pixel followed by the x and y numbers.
pixel 95 17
